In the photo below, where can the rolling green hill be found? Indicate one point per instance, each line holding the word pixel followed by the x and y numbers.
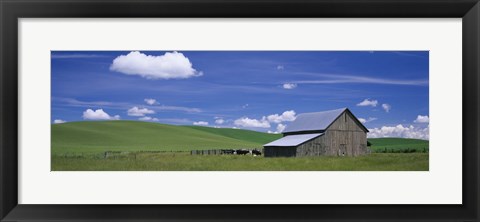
pixel 103 136
pixel 240 134
pixel 398 144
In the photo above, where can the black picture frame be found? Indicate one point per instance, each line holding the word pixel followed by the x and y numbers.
pixel 11 11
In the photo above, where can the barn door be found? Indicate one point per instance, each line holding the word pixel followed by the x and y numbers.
pixel 343 150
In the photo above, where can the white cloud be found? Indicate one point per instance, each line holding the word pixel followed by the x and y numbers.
pixel 123 105
pixel 286 116
pixel 175 120
pixel 363 120
pixel 78 103
pixel 135 111
pixel 368 102
pixel 247 122
pixel 57 121
pixel 370 119
pixel 400 131
pixel 265 121
pixel 280 67
pixel 339 79
pixel 289 85
pixel 422 119
pixel 386 107
pixel 150 101
pixel 171 65
pixel 281 127
pixel 200 123
pixel 219 121
pixel 98 114
pixel 148 118
pixel 176 108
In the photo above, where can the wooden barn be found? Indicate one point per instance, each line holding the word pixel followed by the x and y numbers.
pixel 331 133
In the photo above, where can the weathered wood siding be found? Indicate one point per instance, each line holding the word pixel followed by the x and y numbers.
pixel 315 147
pixel 344 137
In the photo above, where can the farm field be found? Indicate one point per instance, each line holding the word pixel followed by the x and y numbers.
pixel 183 161
pixel 101 136
pixel 400 145
pixel 143 146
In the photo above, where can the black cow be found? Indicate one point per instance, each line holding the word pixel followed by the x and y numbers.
pixel 242 152
pixel 256 152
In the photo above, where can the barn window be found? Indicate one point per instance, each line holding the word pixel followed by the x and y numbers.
pixel 345 117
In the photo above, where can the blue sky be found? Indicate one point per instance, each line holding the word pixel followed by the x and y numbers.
pixel 257 90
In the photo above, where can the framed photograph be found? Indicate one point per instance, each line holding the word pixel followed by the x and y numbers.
pixel 224 110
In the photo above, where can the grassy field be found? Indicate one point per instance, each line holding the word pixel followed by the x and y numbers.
pixel 101 136
pixel 81 146
pixel 400 145
pixel 183 161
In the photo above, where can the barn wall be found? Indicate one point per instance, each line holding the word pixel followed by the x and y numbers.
pixel 315 147
pixel 345 137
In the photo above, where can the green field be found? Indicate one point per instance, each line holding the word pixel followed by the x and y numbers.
pixel 144 146
pixel 183 161
pixel 94 137
pixel 398 145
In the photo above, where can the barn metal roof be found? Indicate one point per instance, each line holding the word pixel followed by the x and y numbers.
pixel 314 121
pixel 293 140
